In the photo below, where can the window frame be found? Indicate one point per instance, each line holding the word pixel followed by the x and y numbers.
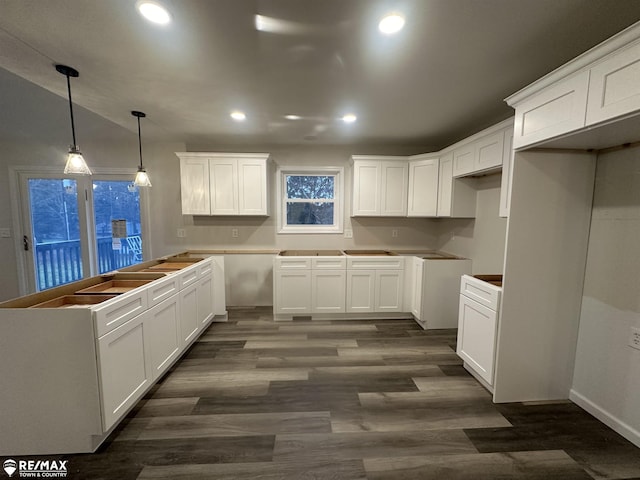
pixel 338 202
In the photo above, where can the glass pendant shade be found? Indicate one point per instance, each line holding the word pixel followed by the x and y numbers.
pixel 75 163
pixel 142 179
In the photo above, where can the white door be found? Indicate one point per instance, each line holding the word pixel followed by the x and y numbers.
pixel 223 178
pixel 416 304
pixel 252 187
pixel 423 188
pixel 360 290
pixel 366 188
pixel 66 227
pixel 194 186
pixel 293 292
pixel 393 189
pixel 388 290
pixel 189 320
pixel 205 299
pixel 477 337
pixel 123 369
pixel 489 151
pixel 162 335
pixel 328 291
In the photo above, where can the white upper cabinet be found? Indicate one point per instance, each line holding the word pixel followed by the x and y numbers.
pixel 380 186
pixel 194 186
pixel 423 188
pixel 479 155
pixel 614 87
pixel 558 109
pixel 590 90
pixel 223 183
pixel 505 183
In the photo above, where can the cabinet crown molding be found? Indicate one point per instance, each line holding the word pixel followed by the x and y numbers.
pixel 222 155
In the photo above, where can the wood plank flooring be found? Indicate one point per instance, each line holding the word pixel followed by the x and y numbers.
pixel 376 400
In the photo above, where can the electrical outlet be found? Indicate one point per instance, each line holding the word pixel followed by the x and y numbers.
pixel 394 233
pixel 234 233
pixel 182 233
pixel 348 234
pixel 5 233
pixel 634 338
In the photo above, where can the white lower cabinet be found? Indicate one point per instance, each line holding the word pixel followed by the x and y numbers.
pixel 123 369
pixel 189 320
pixel 328 291
pixel 477 327
pixel 388 290
pixel 416 287
pixel 292 292
pixel 361 290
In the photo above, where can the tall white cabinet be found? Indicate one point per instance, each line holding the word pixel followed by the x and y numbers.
pixel 224 183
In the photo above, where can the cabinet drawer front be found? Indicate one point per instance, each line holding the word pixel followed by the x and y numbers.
pixel 119 310
pixel 292 263
pixel 377 263
pixel 162 289
pixel 205 267
pixel 329 262
pixel 477 327
pixel 482 292
pixel 188 276
pixel 614 87
pixel 122 370
pixel 558 109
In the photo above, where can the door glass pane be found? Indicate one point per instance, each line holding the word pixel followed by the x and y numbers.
pixel 119 201
pixel 55 236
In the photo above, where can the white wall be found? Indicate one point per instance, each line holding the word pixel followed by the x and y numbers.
pixel 607 371
pixel 482 238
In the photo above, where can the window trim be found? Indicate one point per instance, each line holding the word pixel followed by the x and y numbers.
pixel 338 200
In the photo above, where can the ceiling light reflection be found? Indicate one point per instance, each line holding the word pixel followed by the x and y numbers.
pixel 392 23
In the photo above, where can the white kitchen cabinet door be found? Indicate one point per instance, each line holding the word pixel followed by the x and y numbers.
pixel 477 326
pixel 162 335
pixel 558 109
pixel 416 288
pixel 223 179
pixel 328 291
pixel 489 152
pixel 361 290
pixel 393 189
pixel 445 184
pixel 464 159
pixel 123 370
pixel 194 186
pixel 367 177
pixel 456 196
pixel 614 86
pixel 252 187
pixel 293 292
pixel 505 182
pixel 388 290
pixel 206 308
pixel 189 320
pixel 423 188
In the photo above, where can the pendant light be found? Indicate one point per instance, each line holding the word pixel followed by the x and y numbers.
pixel 75 161
pixel 142 179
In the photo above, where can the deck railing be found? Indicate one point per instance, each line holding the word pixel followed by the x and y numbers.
pixel 58 263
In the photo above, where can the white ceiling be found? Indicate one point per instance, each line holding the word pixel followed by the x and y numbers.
pixel 443 77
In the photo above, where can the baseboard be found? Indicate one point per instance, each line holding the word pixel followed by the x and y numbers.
pixel 605 417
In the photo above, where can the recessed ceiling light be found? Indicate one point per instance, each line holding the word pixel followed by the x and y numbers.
pixel 349 118
pixel 392 23
pixel 238 116
pixel 154 12
pixel 292 117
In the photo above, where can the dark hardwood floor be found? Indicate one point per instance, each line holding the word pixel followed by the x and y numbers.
pixel 377 400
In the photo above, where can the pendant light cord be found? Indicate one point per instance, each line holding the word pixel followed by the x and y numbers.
pixel 73 128
pixel 140 142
